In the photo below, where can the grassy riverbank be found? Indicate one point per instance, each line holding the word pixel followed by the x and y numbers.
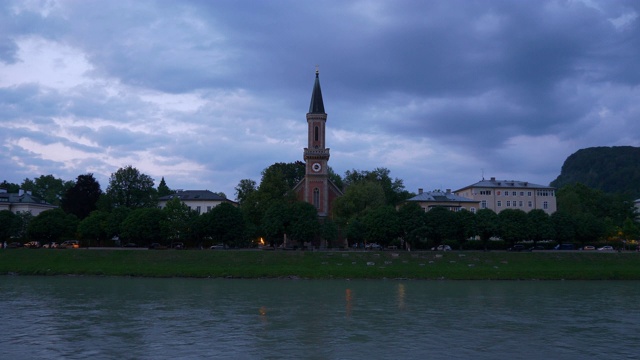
pixel 324 264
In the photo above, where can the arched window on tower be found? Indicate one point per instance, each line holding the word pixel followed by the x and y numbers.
pixel 315 133
pixel 316 198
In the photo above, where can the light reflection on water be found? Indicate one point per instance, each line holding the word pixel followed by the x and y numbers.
pixel 134 318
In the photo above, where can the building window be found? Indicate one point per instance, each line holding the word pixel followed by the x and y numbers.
pixel 316 198
pixel 545 205
pixel 499 203
pixel 483 204
pixel 508 203
pixel 198 209
pixel 528 193
pixel 473 210
pixel 315 133
pixel 520 203
pixel 530 203
pixel 485 192
pixel 521 193
pixel 208 208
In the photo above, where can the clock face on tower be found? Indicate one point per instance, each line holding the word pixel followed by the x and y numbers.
pixel 316 167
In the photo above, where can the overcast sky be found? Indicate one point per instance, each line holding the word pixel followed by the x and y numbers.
pixel 206 93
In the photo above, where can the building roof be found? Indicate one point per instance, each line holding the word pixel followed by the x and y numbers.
pixel 439 196
pixel 516 184
pixel 317 105
pixel 194 195
pixel 22 198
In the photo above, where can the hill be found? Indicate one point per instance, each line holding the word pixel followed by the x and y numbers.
pixel 610 169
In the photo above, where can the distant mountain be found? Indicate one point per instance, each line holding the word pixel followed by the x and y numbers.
pixel 610 169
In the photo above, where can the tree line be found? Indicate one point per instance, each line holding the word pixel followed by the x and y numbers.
pixel 373 209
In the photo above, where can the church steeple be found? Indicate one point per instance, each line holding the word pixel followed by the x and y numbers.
pixel 316 106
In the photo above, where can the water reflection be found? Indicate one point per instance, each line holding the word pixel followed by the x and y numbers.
pixel 107 318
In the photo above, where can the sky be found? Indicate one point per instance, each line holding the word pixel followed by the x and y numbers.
pixel 207 93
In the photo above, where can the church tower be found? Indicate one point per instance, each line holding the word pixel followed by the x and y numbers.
pixel 316 188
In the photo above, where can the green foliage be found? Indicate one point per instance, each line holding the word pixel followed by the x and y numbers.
pixel 94 227
pixel 609 169
pixel 47 188
pixel 244 188
pixel 393 189
pixel 52 225
pixel 539 226
pixel 224 224
pixel 440 224
pixel 179 221
pixel 163 189
pixel 303 225
pixel 564 227
pixel 486 225
pixel 143 226
pixel 513 225
pixel 132 189
pixel 359 198
pixel 464 226
pixel 382 225
pixel 9 225
pixel 82 197
pixel 10 187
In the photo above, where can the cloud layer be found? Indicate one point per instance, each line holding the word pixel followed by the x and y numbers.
pixel 209 93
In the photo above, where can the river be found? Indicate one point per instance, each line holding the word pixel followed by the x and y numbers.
pixel 71 317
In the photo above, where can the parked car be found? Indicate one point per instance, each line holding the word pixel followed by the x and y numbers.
pixel 517 247
pixel 69 244
pixel 441 248
pixel 177 245
pixel 32 245
pixel 157 246
pixel 536 248
pixel 606 248
pixel 216 247
pixel 15 245
pixel 589 247
pixel 373 246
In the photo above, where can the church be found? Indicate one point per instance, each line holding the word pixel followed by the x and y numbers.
pixel 316 188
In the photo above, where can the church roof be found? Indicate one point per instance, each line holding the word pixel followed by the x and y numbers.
pixel 316 106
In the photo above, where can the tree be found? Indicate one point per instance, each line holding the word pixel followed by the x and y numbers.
pixel 588 228
pixel 52 225
pixel 163 189
pixel 47 188
pixel 225 224
pixel 81 198
pixel 94 227
pixel 276 222
pixel 630 230
pixel 411 217
pixel 329 232
pixel 144 226
pixel 393 189
pixel 9 223
pixel 382 225
pixel 179 221
pixel 113 226
pixel 464 226
pixel 564 227
pixel 512 225
pixel 359 198
pixel 244 188
pixel 486 225
pixel 10 187
pixel 440 225
pixel 539 226
pixel 304 225
pixel 132 189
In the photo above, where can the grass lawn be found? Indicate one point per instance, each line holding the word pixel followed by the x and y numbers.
pixel 454 265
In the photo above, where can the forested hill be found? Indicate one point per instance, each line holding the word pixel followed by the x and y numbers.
pixel 610 169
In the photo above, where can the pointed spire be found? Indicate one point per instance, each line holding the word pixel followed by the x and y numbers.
pixel 316 106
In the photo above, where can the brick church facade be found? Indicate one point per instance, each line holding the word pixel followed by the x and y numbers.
pixel 316 188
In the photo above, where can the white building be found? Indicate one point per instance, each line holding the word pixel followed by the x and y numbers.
pixel 201 201
pixel 498 195
pixel 23 201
